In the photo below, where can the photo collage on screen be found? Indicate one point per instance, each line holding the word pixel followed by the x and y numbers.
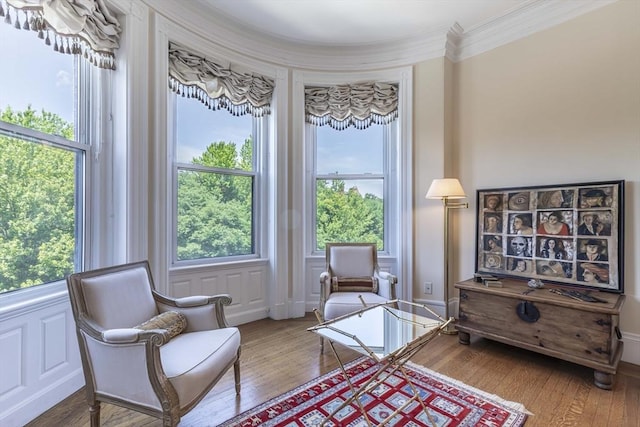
pixel 563 234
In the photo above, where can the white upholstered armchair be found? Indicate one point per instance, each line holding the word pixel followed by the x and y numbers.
pixel 147 352
pixel 352 272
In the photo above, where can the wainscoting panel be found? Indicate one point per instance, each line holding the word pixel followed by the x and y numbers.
pixel 237 288
pixel 55 341
pixel 39 361
pixel 255 288
pixel 246 283
pixel 182 288
pixel 11 374
pixel 210 286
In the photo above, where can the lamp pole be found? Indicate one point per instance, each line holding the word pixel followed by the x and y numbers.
pixel 446 189
pixel 447 206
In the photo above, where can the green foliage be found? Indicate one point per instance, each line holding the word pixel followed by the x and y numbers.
pixel 37 204
pixel 343 215
pixel 215 215
pixel 215 208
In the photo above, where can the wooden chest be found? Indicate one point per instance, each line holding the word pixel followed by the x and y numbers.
pixel 586 333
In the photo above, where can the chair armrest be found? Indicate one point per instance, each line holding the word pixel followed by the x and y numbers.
pixel 387 284
pixel 325 288
pixel 193 301
pixel 388 276
pixel 116 336
pixel 203 313
pixel 156 337
pixel 127 356
pixel 132 335
pixel 324 277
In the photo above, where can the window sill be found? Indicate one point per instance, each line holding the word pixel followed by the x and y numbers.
pixel 25 301
pixel 218 266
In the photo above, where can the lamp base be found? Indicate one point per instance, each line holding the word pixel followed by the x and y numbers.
pixel 449 330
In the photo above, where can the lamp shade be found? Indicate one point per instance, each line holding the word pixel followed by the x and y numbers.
pixel 448 188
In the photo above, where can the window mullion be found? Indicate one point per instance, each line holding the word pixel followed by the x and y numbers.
pixel 364 176
pixel 41 137
pixel 223 171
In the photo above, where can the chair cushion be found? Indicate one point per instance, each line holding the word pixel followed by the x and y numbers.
pixel 352 261
pixel 341 303
pixel 119 299
pixel 193 360
pixel 172 321
pixel 354 284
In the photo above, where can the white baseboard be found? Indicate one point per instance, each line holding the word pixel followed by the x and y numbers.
pixel 631 353
pixel 235 319
pixel 39 402
pixel 297 309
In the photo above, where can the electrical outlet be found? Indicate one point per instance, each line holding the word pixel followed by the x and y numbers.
pixel 428 287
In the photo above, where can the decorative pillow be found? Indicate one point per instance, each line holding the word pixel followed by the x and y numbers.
pixel 354 284
pixel 172 321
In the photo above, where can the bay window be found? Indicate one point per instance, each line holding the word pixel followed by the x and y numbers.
pixel 352 134
pixel 220 129
pixel 45 136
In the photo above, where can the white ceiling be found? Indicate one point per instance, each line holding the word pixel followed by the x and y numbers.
pixel 356 22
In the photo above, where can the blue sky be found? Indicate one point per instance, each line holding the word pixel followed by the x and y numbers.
pixel 198 127
pixel 340 151
pixel 351 150
pixel 348 151
pixel 48 87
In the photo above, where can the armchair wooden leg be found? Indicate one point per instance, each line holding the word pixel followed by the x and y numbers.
pixel 169 421
pixel 236 374
pixel 94 414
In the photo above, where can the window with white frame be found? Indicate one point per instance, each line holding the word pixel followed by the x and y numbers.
pixel 353 152
pixel 218 165
pixel 216 181
pixel 44 146
pixel 352 175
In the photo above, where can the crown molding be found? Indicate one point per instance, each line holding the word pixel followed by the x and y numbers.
pixel 533 17
pixel 454 38
pixel 269 49
pixel 454 42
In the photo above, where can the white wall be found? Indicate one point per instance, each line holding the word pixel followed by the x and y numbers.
pixel 559 106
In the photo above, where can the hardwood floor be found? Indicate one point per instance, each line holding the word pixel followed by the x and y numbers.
pixel 280 355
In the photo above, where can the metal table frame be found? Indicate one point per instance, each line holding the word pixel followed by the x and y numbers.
pixel 396 359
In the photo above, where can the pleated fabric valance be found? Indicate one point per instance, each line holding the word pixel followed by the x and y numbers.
pixel 78 27
pixel 359 105
pixel 217 87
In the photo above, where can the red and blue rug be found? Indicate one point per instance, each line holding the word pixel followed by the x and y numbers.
pixel 450 403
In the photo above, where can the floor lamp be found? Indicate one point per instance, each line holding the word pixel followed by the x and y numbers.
pixel 447 189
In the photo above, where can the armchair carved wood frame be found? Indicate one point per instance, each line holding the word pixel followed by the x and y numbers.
pixel 148 370
pixel 352 261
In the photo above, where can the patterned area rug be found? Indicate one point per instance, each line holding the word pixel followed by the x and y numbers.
pixel 450 403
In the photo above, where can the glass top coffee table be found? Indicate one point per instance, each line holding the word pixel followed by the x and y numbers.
pixel 390 333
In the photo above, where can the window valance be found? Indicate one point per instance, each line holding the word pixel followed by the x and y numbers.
pixel 359 105
pixel 218 87
pixel 79 27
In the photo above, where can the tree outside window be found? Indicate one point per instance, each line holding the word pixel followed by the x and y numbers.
pixel 216 183
pixel 350 176
pixel 41 164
